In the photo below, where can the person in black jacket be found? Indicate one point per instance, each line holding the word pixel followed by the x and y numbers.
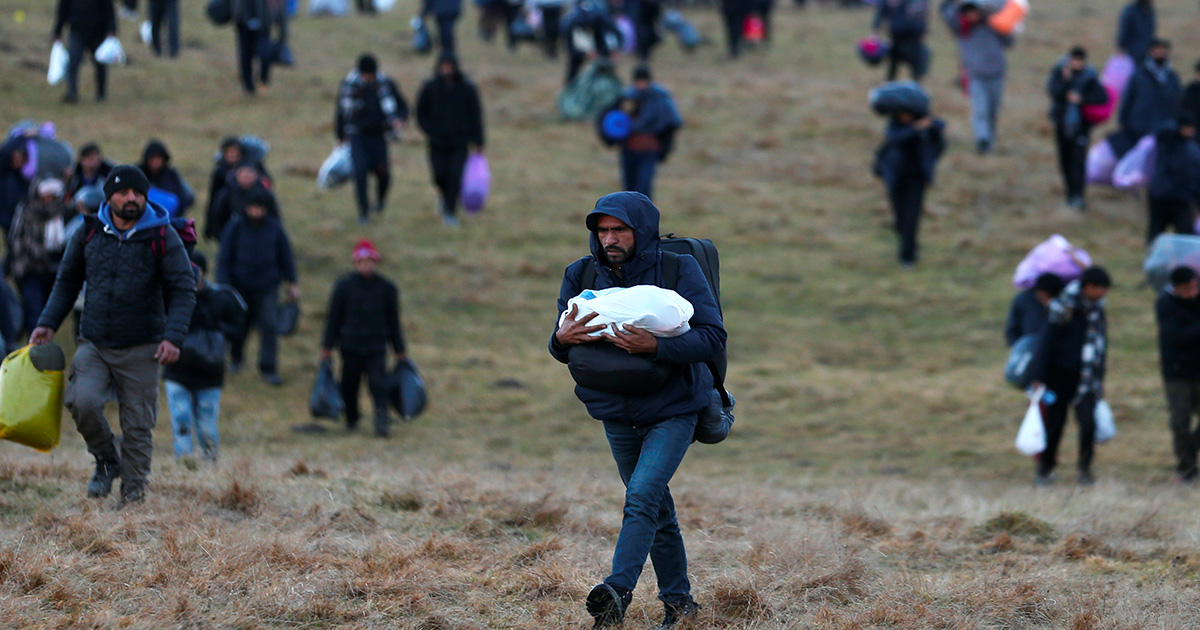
pixel 1072 85
pixel 164 11
pixel 255 258
pixel 156 164
pixel 907 22
pixel 370 111
pixel 1030 310
pixel 906 161
pixel 91 21
pixel 1074 368
pixel 193 384
pixel 231 155
pixel 248 180
pixel 252 20
pixel 1175 182
pixel 1189 106
pixel 1178 313
pixel 1151 99
pixel 90 169
pixel 450 114
pixel 363 319
pixel 133 322
pixel 14 185
pixel 1136 29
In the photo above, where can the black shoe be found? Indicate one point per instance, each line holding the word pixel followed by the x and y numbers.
pixel 607 606
pixel 132 492
pixel 272 379
pixel 70 99
pixel 678 611
pixel 382 424
pixel 983 147
pixel 108 468
pixel 1044 478
pixel 1085 478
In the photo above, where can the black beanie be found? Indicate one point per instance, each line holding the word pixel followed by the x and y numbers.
pixel 367 64
pixel 126 176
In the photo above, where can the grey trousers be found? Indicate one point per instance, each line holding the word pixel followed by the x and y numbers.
pixel 132 374
pixel 985 94
pixel 1183 399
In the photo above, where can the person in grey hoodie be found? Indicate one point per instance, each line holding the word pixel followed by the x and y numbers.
pixel 981 49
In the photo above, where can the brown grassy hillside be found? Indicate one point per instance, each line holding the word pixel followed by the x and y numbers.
pixel 871 482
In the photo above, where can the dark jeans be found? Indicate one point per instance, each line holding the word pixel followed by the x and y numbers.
pixel 1166 213
pixel 262 312
pixel 1064 386
pixel 647 458
pixel 365 6
pixel 1072 161
pixel 734 23
pixel 168 10
pixel 374 365
pixel 446 32
pixel 552 26
pixel 645 23
pixel 637 171
pixel 908 199
pixel 447 165
pixel 35 289
pixel 75 48
pixel 370 156
pixel 251 44
pixel 907 49
pixel 1183 400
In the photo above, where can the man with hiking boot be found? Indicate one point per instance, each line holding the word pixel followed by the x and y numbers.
pixel 139 299
pixel 1178 314
pixel 1076 346
pixel 648 429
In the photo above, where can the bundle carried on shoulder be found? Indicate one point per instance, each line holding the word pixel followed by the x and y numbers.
pixel 590 92
pixel 895 97
pixel 1168 252
pixel 1055 255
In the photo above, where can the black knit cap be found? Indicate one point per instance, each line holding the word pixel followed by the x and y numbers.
pixel 367 64
pixel 126 176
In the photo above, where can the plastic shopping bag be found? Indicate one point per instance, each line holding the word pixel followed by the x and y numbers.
pixel 59 58
pixel 1101 161
pixel 1031 437
pixel 477 182
pixel 1136 167
pixel 1057 256
pixel 110 52
pixel 337 169
pixel 326 398
pixel 1011 18
pixel 288 318
pixel 1106 426
pixel 1117 72
pixel 1168 252
pixel 383 6
pixel 146 31
pixel 31 396
pixel 407 392
pixel 662 312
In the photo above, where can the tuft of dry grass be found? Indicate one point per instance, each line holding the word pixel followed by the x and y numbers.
pixel 1018 524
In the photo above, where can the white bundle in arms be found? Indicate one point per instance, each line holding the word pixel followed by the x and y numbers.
pixel 662 312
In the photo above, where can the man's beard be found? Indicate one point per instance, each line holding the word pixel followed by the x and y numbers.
pixel 131 211
pixel 618 257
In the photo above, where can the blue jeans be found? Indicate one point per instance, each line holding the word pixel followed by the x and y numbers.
pixel 637 171
pixel 985 94
pixel 194 411
pixel 647 458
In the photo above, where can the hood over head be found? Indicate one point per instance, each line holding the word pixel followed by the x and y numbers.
pixel 638 212
pixel 153 148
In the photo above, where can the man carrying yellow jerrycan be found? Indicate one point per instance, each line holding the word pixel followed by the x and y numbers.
pixel 139 299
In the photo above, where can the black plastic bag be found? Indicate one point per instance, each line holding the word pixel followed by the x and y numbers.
pixel 715 421
pixel 326 399
pixel 289 318
pixel 406 391
pixel 894 97
pixel 606 368
pixel 219 11
pixel 203 351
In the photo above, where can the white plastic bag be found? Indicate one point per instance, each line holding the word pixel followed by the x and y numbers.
pixel 1106 425
pixel 662 312
pixel 59 58
pixel 383 6
pixel 1136 167
pixel 1031 437
pixel 111 52
pixel 147 32
pixel 337 169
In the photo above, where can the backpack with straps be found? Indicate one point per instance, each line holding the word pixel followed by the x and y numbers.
pixel 705 253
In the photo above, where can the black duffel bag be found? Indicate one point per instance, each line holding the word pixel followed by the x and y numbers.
pixel 219 12
pixel 604 367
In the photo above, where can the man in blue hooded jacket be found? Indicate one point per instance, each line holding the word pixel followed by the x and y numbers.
pixel 655 121
pixel 648 434
pixel 139 299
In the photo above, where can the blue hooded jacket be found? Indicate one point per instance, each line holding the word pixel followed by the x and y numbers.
pixel 690 386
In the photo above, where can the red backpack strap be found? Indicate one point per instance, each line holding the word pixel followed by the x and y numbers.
pixel 159 245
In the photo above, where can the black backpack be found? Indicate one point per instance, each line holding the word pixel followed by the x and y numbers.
pixel 705 253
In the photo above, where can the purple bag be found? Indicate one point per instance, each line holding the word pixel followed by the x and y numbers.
pixel 1101 160
pixel 1136 167
pixel 1056 256
pixel 477 181
pixel 628 34
pixel 1117 72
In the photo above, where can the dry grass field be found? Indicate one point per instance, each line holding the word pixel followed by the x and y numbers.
pixel 871 481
